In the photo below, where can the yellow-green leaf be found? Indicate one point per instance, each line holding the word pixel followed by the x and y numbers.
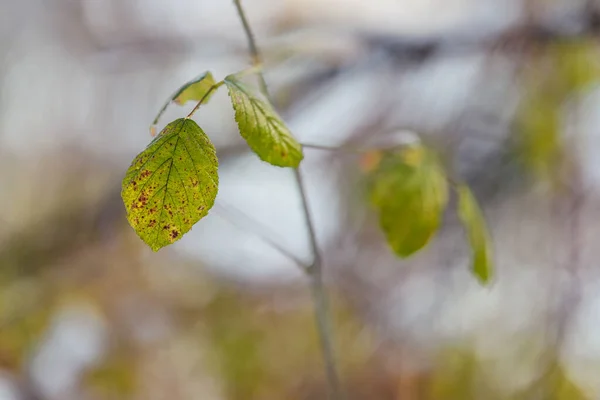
pixel 410 192
pixel 264 130
pixel 115 376
pixel 474 223
pixel 172 184
pixel 197 89
pixel 538 143
pixel 576 63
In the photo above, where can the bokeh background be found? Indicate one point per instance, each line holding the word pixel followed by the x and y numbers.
pixel 506 89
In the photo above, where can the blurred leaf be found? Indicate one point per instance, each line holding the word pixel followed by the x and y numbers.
pixel 264 130
pixel 454 375
pixel 172 184
pixel 568 67
pixel 566 389
pixel 19 336
pixel 236 342
pixel 115 376
pixel 576 63
pixel 474 223
pixel 195 90
pixel 410 192
pixel 555 384
pixel 538 144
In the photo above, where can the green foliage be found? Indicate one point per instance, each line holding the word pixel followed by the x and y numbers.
pixel 237 341
pixel 566 68
pixel 264 130
pixel 410 191
pixel 455 375
pixel 249 334
pixel 539 144
pixel 114 377
pixel 460 374
pixel 566 389
pixel 554 384
pixel 576 63
pixel 197 89
pixel 172 184
pixel 474 223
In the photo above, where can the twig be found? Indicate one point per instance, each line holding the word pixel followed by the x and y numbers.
pixel 235 216
pixel 320 299
pixel 254 53
pixel 208 92
pixel 314 272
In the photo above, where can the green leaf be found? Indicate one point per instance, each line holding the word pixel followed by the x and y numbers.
pixel 172 184
pixel 538 143
pixel 264 130
pixel 410 191
pixel 196 90
pixel 576 63
pixel 472 219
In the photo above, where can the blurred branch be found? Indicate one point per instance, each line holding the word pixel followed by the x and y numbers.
pixel 248 224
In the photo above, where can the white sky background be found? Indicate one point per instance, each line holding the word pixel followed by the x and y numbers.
pixel 55 90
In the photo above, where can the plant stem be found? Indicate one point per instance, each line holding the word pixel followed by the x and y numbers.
pixel 212 89
pixel 254 53
pixel 320 300
pixel 314 272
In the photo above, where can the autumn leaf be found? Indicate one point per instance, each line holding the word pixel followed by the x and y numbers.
pixel 410 192
pixel 477 234
pixel 262 128
pixel 172 184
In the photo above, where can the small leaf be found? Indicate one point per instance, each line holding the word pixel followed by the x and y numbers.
pixel 195 89
pixel 172 184
pixel 264 130
pixel 410 192
pixel 474 223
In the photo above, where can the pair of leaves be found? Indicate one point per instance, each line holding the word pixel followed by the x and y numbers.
pixel 173 183
pixel 409 189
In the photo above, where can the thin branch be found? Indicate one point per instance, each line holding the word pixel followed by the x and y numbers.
pixel 208 92
pixel 314 272
pixel 254 53
pixel 320 297
pixel 235 216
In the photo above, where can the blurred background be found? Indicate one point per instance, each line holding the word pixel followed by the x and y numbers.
pixel 507 90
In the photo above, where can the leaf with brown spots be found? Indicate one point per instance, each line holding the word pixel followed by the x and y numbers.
pixel 172 184
pixel 264 130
